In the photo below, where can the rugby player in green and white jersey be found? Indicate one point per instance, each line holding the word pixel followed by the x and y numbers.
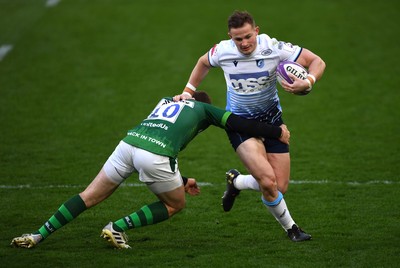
pixel 151 149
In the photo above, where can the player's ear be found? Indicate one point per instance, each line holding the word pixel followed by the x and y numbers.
pixel 257 29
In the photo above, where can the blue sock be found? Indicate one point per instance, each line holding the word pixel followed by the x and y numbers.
pixel 273 203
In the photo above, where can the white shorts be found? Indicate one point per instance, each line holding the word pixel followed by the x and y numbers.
pixel 160 173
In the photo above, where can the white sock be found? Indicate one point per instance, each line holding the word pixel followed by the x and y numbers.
pixel 280 211
pixel 244 182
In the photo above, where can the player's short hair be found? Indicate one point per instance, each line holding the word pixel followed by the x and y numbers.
pixel 202 96
pixel 239 18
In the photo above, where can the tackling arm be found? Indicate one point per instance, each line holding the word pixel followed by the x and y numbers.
pixel 252 127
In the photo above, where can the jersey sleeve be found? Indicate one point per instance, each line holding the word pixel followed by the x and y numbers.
pixel 216 116
pixel 213 58
pixel 286 50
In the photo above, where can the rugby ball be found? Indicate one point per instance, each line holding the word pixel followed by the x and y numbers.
pixel 289 67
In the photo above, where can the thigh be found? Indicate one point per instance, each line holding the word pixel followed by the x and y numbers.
pixel 119 165
pixel 253 155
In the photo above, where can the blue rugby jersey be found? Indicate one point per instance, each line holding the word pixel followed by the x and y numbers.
pixel 251 79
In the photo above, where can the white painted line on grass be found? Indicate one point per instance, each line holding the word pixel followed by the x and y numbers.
pixel 345 182
pixel 29 186
pixel 52 3
pixel 4 50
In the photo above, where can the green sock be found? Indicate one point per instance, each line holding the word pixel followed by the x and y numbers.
pixel 147 215
pixel 66 213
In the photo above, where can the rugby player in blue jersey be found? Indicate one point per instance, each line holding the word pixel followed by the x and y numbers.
pixel 249 61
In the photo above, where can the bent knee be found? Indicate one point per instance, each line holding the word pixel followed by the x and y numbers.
pixel 282 187
pixel 268 183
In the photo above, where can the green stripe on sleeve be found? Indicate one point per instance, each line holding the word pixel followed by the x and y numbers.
pixel 225 117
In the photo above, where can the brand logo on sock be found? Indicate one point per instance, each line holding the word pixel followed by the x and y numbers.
pixel 49 227
pixel 283 214
pixel 129 222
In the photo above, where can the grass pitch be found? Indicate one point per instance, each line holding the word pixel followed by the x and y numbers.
pixel 81 73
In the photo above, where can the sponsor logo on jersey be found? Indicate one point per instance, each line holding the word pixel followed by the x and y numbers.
pixel 153 125
pixel 260 63
pixel 266 52
pixel 289 45
pixel 235 62
pixel 285 46
pixel 249 82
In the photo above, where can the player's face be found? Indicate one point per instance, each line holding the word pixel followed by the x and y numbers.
pixel 245 38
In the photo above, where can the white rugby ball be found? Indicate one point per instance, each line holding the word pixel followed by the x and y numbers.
pixel 289 67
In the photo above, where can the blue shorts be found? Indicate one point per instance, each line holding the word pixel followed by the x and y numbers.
pixel 271 145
